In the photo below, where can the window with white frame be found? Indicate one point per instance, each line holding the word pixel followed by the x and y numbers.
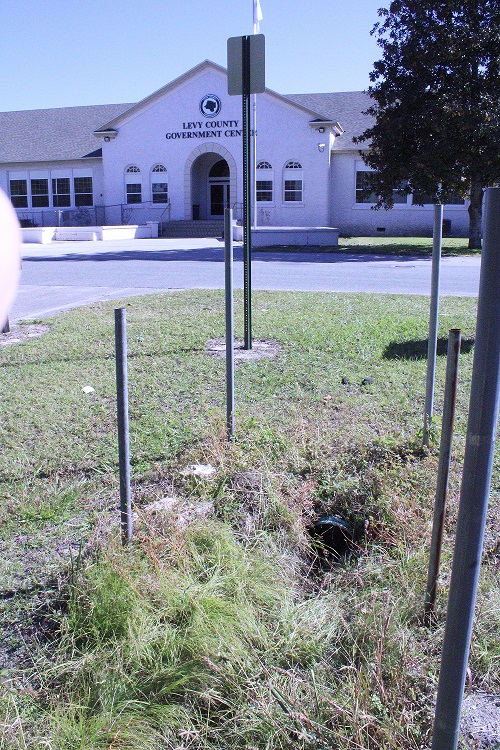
pixel 56 188
pixel 364 191
pixel 264 182
pixel 366 194
pixel 19 193
pixel 398 194
pixel 133 185
pixel 419 198
pixel 292 182
pixel 159 184
pixel 61 192
pixel 84 195
pixel 39 192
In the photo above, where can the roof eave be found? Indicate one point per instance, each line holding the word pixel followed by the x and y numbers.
pixel 107 133
pixel 332 125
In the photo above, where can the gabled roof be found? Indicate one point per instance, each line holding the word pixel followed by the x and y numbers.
pixel 156 95
pixel 205 65
pixel 68 132
pixel 53 134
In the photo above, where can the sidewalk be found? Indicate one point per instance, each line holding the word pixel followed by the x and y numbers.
pixel 59 249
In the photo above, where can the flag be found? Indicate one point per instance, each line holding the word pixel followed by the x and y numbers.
pixel 257 14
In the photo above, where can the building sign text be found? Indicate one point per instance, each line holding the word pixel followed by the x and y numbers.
pixel 209 129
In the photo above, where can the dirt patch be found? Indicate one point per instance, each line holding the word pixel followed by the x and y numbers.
pixel 261 349
pixel 181 513
pixel 480 722
pixel 19 333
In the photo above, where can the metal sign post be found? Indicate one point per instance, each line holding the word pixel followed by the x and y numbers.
pixel 476 480
pixel 247 224
pixel 228 256
pixel 245 76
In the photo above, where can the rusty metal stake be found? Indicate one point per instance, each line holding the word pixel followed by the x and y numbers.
pixel 450 397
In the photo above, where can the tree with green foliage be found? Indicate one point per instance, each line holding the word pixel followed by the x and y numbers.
pixel 436 103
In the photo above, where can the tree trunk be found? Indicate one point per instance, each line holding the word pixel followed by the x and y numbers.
pixel 475 214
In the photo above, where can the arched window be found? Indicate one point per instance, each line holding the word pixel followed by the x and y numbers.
pixel 292 182
pixel 159 184
pixel 133 184
pixel 264 182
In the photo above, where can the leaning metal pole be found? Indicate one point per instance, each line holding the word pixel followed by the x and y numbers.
pixel 433 321
pixel 450 398
pixel 478 462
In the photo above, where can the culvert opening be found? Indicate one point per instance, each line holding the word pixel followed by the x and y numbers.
pixel 332 538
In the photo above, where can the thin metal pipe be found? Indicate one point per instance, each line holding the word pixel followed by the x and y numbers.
pixel 228 254
pixel 123 424
pixel 450 398
pixel 437 240
pixel 476 480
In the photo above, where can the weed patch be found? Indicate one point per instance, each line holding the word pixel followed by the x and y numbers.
pixel 220 626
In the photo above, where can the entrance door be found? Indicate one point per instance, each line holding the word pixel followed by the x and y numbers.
pixel 219 198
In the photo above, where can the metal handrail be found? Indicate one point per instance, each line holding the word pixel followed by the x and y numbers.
pixel 237 210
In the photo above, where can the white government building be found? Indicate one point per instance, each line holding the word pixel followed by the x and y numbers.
pixel 176 157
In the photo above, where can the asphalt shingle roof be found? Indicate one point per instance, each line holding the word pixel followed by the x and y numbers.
pixel 53 134
pixel 67 132
pixel 346 107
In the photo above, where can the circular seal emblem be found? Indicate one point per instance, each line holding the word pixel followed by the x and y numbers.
pixel 210 105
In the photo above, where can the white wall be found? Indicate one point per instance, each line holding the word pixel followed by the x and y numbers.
pixel 361 219
pixel 283 130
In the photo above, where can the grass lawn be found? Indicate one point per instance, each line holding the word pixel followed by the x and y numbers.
pixel 405 245
pixel 226 624
pixel 451 246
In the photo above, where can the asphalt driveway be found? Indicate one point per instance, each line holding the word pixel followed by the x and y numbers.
pixel 63 275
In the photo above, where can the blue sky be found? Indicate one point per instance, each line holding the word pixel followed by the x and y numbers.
pixel 57 53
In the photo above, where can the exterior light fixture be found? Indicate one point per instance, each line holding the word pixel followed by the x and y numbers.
pixel 107 138
pixel 321 130
pixel 321 147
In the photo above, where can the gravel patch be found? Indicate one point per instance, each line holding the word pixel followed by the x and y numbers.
pixel 19 333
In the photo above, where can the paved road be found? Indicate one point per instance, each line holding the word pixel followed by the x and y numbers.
pixel 62 275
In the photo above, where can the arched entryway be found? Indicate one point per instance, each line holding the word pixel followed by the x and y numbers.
pixel 211 183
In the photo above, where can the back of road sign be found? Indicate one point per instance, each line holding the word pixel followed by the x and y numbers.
pixel 235 64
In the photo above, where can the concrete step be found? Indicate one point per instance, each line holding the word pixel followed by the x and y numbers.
pixel 201 228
